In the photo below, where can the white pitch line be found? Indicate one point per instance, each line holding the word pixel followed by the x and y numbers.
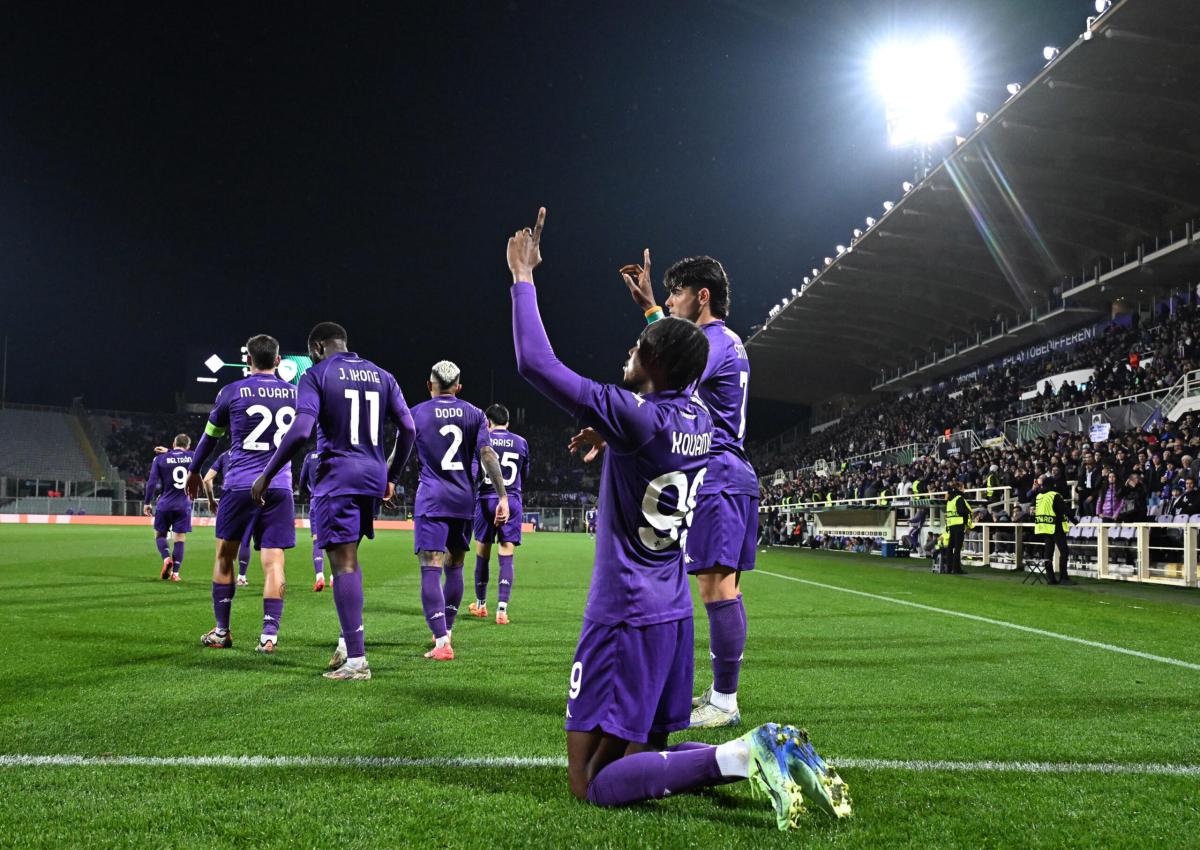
pixel 1095 644
pixel 393 762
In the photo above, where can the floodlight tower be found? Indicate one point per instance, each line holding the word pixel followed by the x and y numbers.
pixel 921 84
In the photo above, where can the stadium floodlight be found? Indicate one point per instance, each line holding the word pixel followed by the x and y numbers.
pixel 1013 88
pixel 857 233
pixel 906 187
pixel 807 280
pixel 1050 53
pixel 921 83
pixel 1102 6
pixel 795 292
pixel 870 222
pixel 815 272
pixel 829 261
pixel 887 206
pixel 841 249
pixel 981 117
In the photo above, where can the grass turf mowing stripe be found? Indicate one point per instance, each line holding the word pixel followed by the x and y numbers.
pixel 1095 644
pixel 385 762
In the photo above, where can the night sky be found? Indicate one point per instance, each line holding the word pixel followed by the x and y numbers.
pixel 174 183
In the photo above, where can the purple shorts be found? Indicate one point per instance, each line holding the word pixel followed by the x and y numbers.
pixel 343 519
pixel 272 525
pixel 632 682
pixel 178 521
pixel 723 533
pixel 485 521
pixel 441 534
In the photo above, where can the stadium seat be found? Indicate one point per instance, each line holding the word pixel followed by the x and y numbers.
pixel 41 444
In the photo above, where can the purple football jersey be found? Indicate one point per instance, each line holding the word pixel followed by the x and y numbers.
pixel 169 471
pixel 450 433
pixel 351 399
pixel 257 411
pixel 218 465
pixel 724 388
pixel 658 448
pixel 513 453
pixel 308 472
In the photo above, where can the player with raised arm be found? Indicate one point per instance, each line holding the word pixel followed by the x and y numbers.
pixel 173 511
pixel 349 400
pixel 243 556
pixel 513 452
pixel 631 680
pixel 726 519
pixel 308 484
pixel 450 435
pixel 256 412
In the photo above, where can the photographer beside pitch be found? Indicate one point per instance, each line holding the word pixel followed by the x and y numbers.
pixel 631 679
pixel 1052 517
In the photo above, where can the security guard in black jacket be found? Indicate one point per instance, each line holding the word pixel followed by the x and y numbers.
pixel 1052 517
pixel 958 520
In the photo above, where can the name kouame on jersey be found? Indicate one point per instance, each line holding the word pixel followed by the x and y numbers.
pixel 351 399
pixel 168 478
pixel 256 412
pixel 655 464
pixel 512 452
pixel 450 433
pixel 724 387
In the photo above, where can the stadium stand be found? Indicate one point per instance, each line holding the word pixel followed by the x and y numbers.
pixel 45 444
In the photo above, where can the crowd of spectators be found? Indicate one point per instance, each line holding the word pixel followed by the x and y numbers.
pixel 1126 359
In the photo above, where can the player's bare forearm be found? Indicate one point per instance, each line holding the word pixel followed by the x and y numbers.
pixel 406 438
pixel 491 464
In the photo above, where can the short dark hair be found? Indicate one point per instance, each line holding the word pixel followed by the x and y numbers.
pixel 677 348
pixel 262 351
pixel 325 331
pixel 698 273
pixel 497 414
pixel 182 441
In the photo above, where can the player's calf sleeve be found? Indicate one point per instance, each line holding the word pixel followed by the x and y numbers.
pixel 161 543
pixel 177 555
pixel 452 590
pixel 348 599
pixel 651 776
pixel 432 600
pixel 272 614
pixel 726 642
pixel 222 599
pixel 506 577
pixel 482 574
pixel 318 559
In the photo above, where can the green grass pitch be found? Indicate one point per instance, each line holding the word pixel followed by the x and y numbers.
pixel 104 660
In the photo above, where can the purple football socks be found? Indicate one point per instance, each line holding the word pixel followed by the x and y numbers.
pixel 318 559
pixel 222 596
pixel 452 590
pixel 654 775
pixel 726 642
pixel 161 543
pixel 177 555
pixel 348 598
pixel 272 614
pixel 506 577
pixel 482 574
pixel 432 600
pixel 244 556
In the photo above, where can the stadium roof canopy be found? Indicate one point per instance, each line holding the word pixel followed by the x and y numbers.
pixel 1082 189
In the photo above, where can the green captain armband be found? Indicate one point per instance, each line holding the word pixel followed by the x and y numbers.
pixel 653 314
pixel 212 430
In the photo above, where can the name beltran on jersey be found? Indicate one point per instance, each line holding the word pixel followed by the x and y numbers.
pixel 171 459
pixel 266 392
pixel 690 444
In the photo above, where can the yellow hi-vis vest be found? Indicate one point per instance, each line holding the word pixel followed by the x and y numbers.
pixel 1043 514
pixel 992 481
pixel 828 499
pixel 954 514
pixel 883 497
pixel 916 489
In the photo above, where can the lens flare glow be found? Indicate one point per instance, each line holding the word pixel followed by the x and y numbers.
pixel 921 83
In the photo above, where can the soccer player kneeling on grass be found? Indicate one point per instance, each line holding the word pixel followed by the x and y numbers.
pixel 631 680
pixel 347 399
